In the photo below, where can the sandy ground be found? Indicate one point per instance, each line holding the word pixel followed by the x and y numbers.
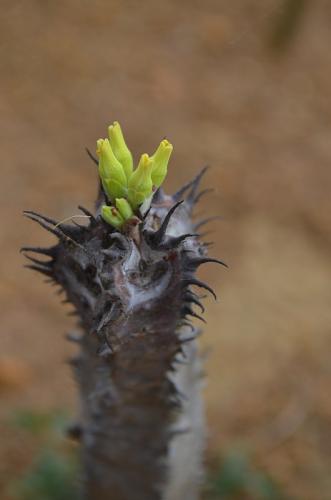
pixel 205 76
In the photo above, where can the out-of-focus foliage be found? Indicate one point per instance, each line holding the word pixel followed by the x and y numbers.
pixel 287 23
pixel 53 473
pixel 40 422
pixel 237 478
pixel 52 477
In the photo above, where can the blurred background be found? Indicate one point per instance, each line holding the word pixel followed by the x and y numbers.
pixel 244 87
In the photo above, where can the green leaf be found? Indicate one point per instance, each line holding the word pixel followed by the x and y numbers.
pixel 121 151
pixel 124 208
pixel 140 184
pixel 112 216
pixel 160 162
pixel 111 171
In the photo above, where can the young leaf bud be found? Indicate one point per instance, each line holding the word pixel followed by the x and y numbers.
pixel 140 184
pixel 112 216
pixel 124 208
pixel 160 162
pixel 111 172
pixel 99 144
pixel 121 151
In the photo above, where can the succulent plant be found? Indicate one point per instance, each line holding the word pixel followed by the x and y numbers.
pixel 130 275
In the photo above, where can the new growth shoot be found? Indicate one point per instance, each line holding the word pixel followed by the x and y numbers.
pixel 127 188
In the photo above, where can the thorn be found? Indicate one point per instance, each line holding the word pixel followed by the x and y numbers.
pixel 158 235
pixel 74 337
pixel 200 284
pixel 161 232
pixel 206 233
pixel 46 272
pixel 195 186
pixel 72 313
pixel 201 194
pixel 56 230
pixel 86 212
pixel 50 252
pixel 50 281
pixel 191 297
pixel 194 183
pixel 182 352
pixel 42 217
pixel 75 431
pixel 46 264
pixel 41 222
pixel 205 221
pixel 188 339
pixel 75 223
pixel 180 361
pixel 180 431
pixel 174 241
pixel 187 323
pixel 195 315
pixel 158 195
pixel 93 158
pixel 187 310
pixel 196 262
pixel 70 231
pixel 75 361
pixel 146 213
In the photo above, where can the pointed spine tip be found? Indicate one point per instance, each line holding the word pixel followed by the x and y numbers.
pixel 174 241
pixel 191 297
pixel 205 221
pixel 86 212
pixel 44 222
pixel 41 270
pixel 198 261
pixel 193 281
pixel 91 156
pixel 201 194
pixel 46 264
pixel 49 252
pixel 74 337
pixel 193 184
pixel 188 311
pixel 159 235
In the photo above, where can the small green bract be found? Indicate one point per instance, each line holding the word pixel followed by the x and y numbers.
pixel 126 188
